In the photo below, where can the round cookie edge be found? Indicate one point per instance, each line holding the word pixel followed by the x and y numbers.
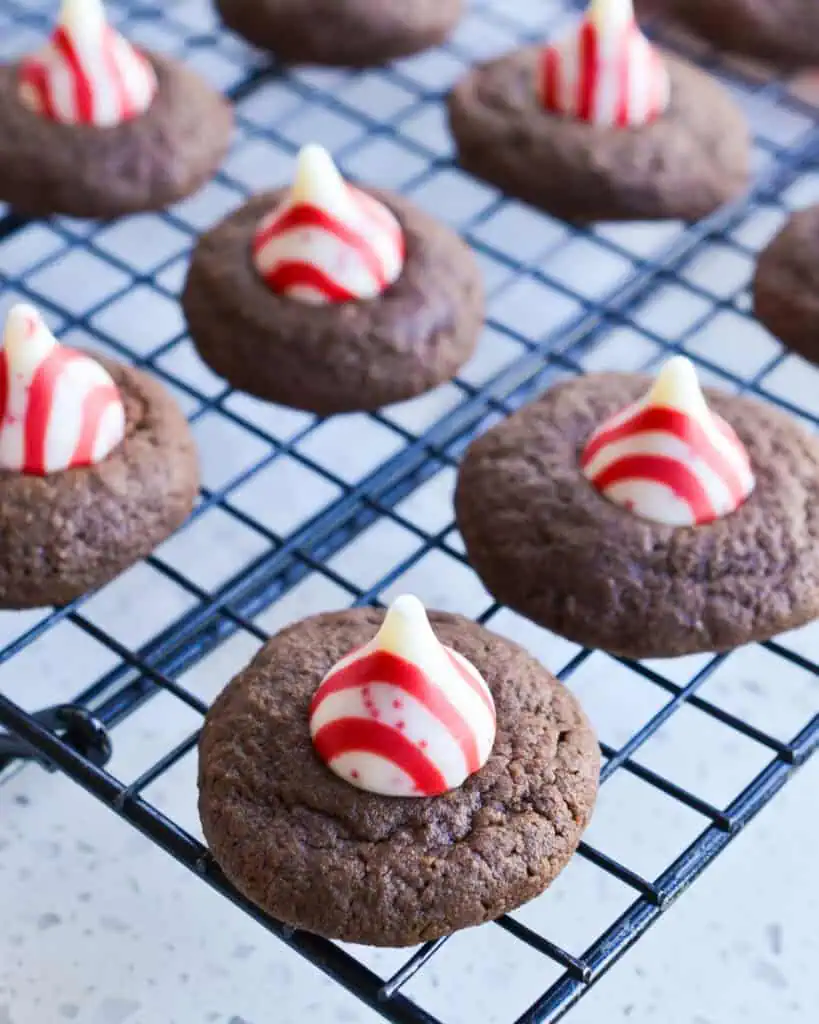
pixel 484 823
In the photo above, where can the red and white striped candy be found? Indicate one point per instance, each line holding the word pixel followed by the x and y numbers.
pixel 87 73
pixel 668 458
pixel 605 72
pixel 58 407
pixel 403 715
pixel 328 242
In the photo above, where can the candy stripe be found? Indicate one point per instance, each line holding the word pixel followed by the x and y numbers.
pixel 685 429
pixel 551 74
pixel 668 458
pixel 348 735
pixel 40 404
pixel 39 409
pixel 379 214
pixel 35 77
pixel 303 216
pixel 346 244
pixel 413 711
pixel 622 116
pixel 661 470
pixel 119 83
pixel 95 405
pixel 658 90
pixel 471 682
pixel 286 276
pixel 587 81
pixel 58 407
pixel 4 385
pixel 604 74
pixel 382 665
pixel 83 93
pixel 38 412
pixel 96 78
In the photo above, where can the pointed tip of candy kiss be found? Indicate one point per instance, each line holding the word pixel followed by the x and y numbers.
pixel 77 16
pixel 317 177
pixel 26 335
pixel 408 607
pixel 405 622
pixel 677 387
pixel 20 314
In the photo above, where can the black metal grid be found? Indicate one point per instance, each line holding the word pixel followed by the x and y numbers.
pixel 390 119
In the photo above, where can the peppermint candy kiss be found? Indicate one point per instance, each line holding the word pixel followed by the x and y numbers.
pixel 58 407
pixel 87 73
pixel 668 458
pixel 328 242
pixel 605 72
pixel 403 715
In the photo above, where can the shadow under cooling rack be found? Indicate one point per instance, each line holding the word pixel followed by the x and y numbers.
pixel 297 514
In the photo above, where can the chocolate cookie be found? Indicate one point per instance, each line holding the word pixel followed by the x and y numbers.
pixel 339 357
pixel 81 170
pixel 67 533
pixel 315 852
pixel 783 31
pixel 692 159
pixel 786 284
pixel 548 544
pixel 355 33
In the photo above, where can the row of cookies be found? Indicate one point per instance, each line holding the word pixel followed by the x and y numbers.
pixel 370 777
pixel 366 301
pixel 94 127
pixel 361 33
pixel 98 464
pixel 652 508
pixel 379 779
pixel 389 778
pixel 598 125
pixel 387 302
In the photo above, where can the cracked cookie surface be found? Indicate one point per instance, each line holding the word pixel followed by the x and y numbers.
pixel 319 854
pixel 547 544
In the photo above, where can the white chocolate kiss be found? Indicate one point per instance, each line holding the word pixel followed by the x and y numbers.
pixel 327 241
pixel 61 408
pixel 87 73
pixel 404 715
pixel 590 85
pixel 668 457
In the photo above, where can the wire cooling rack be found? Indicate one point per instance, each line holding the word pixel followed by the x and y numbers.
pixel 297 514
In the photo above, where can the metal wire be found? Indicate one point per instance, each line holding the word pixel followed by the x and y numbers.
pixel 295 555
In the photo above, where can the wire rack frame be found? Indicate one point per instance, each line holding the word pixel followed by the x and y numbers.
pixel 77 747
